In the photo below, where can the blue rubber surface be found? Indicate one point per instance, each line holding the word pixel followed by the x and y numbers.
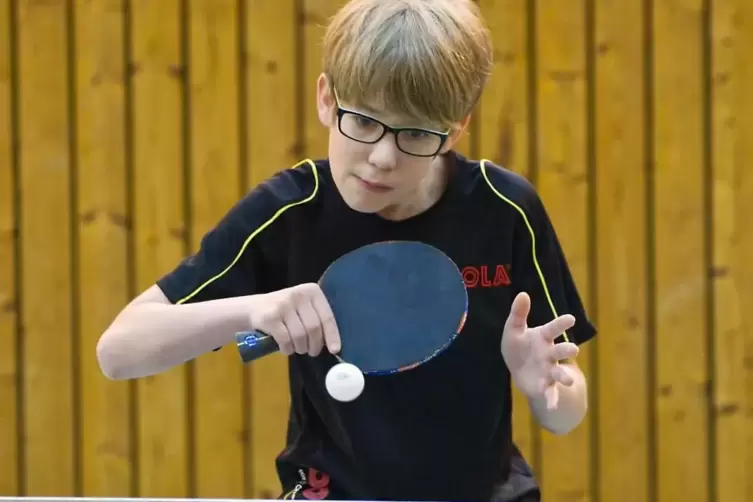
pixel 396 304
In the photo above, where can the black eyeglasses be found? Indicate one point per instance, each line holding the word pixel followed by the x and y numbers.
pixel 365 129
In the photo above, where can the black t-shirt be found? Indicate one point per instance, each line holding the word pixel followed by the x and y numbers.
pixel 443 430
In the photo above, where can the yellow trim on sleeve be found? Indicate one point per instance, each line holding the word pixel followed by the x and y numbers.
pixel 533 239
pixel 258 230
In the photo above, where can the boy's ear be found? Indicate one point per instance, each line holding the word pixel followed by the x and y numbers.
pixel 325 101
pixel 456 134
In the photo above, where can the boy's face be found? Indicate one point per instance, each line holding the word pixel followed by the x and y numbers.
pixel 378 176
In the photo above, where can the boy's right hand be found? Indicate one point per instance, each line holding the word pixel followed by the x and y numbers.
pixel 298 318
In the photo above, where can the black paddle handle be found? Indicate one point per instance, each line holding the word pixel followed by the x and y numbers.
pixel 254 345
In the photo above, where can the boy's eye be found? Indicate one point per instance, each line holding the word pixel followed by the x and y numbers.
pixel 364 121
pixel 415 134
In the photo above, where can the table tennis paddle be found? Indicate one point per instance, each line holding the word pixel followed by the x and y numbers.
pixel 397 304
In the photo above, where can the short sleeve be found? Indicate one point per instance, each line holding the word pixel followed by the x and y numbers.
pixel 541 270
pixel 230 256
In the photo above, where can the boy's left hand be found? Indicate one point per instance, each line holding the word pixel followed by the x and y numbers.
pixel 531 354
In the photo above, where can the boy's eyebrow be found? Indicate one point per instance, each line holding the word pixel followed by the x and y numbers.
pixel 403 122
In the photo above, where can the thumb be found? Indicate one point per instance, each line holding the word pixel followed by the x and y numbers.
pixel 518 318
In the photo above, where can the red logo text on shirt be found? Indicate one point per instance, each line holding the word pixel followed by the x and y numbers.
pixel 486 276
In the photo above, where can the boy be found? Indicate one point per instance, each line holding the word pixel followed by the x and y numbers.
pixel 400 80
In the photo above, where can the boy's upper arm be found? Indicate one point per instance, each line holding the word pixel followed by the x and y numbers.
pixel 220 267
pixel 541 270
pixel 231 254
pixel 153 294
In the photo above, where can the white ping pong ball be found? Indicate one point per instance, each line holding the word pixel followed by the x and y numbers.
pixel 344 382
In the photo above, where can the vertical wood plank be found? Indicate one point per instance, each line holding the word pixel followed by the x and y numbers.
pixel 503 137
pixel 45 232
pixel 504 113
pixel 620 214
pixel 316 15
pixel 681 324
pixel 215 180
pixel 159 229
pixel 272 144
pixel 103 241
pixel 729 233
pixel 564 185
pixel 743 209
pixel 8 266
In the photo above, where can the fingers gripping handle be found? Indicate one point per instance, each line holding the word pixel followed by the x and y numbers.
pixel 254 345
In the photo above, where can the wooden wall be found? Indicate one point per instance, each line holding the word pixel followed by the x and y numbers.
pixel 127 128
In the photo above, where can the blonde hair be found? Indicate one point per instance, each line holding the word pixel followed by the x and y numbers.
pixel 424 59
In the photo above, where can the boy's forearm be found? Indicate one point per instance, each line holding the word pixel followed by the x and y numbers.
pixel 149 338
pixel 572 405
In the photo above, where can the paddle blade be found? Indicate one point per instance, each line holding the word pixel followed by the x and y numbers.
pixel 397 304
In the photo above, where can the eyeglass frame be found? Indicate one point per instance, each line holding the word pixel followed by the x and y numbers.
pixel 341 111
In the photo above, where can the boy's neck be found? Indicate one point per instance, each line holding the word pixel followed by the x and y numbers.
pixel 429 192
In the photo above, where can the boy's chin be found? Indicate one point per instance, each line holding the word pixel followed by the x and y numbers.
pixel 362 204
pixel 360 200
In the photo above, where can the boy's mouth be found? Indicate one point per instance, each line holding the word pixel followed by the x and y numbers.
pixel 373 185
